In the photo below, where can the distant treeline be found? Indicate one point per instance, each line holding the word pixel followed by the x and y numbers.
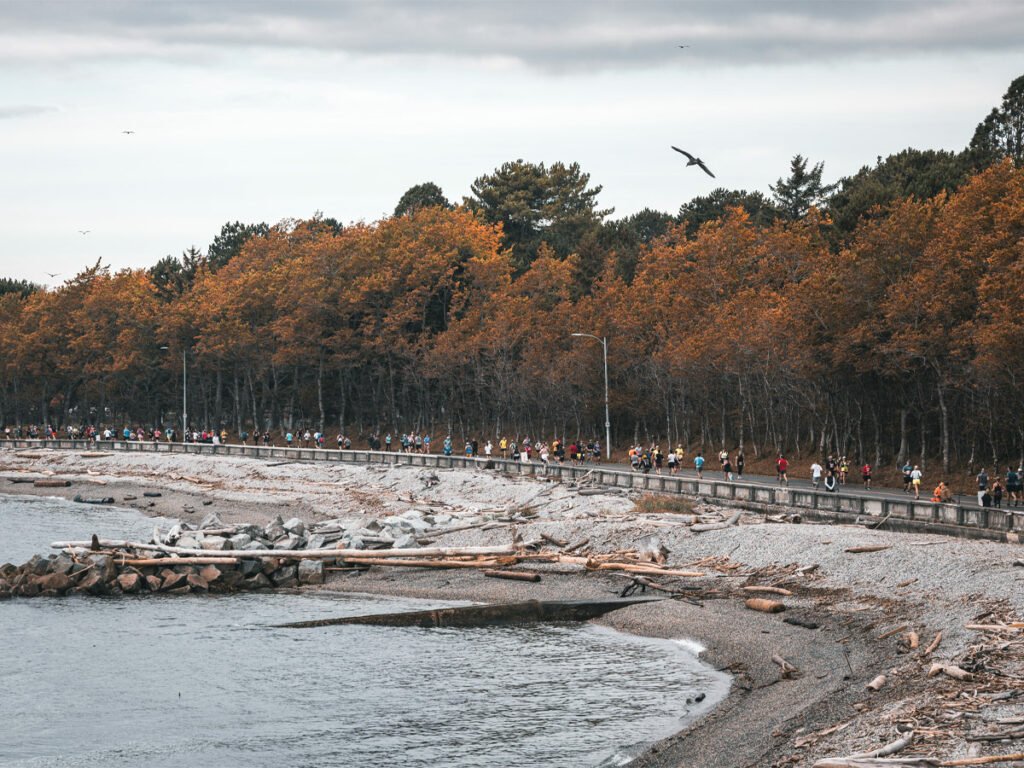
pixel 880 317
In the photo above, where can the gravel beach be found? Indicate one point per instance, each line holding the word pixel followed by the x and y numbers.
pixel 865 604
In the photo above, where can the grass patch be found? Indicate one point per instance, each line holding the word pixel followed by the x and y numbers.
pixel 673 505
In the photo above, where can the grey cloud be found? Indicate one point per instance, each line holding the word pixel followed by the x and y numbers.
pixel 24 110
pixel 553 36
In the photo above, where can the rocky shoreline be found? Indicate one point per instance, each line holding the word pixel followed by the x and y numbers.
pixel 856 594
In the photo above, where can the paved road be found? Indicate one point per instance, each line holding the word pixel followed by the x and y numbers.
pixel 853 486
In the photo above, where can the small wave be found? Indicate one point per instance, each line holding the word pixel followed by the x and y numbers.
pixel 692 647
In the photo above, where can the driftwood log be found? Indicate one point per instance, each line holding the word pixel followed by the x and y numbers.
pixel 934 644
pixel 734 520
pixel 765 606
pixel 876 685
pixel 293 554
pixel 51 483
pixel 772 590
pixel 876 548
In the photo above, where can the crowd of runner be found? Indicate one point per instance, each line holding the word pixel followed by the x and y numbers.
pixel 836 471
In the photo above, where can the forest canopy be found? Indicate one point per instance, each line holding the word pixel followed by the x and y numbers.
pixel 878 316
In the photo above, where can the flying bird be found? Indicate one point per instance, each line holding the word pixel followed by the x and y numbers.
pixel 53 274
pixel 694 161
pixel 84 231
pixel 684 46
pixel 128 132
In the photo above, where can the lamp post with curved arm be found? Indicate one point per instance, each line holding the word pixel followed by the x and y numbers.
pixel 607 418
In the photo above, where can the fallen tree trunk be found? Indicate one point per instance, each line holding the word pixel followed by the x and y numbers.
pixel 513 575
pixel 734 520
pixel 878 548
pixel 51 483
pixel 877 762
pixel 983 760
pixel 294 554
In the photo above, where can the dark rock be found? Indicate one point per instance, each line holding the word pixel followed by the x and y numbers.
pixel 240 540
pixel 129 583
pixel 174 581
pixel 286 576
pixel 152 494
pixel 231 580
pixel 250 567
pixel 316 541
pixel 155 583
pixel 62 564
pixel 91 582
pixel 290 542
pixel 271 564
pixel 130 498
pixel 38 565
pixel 274 532
pixel 77 568
pixel 7 570
pixel 295 526
pixel 259 581
pixel 56 582
pixel 197 582
pixel 310 572
pixel 207 503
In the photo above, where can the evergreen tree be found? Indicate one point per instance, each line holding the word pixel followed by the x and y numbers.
pixel 228 243
pixel 423 195
pixel 1001 133
pixel 795 196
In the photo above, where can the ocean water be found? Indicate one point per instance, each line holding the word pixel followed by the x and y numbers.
pixel 206 680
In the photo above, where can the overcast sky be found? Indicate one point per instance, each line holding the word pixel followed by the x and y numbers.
pixel 267 110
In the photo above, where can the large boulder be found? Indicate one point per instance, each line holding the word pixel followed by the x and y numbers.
pixel 211 521
pixel 38 565
pixel 210 573
pixel 250 567
pixel 316 541
pixel 62 564
pixel 230 580
pixel 295 526
pixel 188 542
pixel 259 581
pixel 310 572
pixel 291 542
pixel 129 582
pixel 173 580
pixel 55 582
pixel 154 583
pixel 196 582
pixel 240 540
pixel 91 583
pixel 215 543
pixel 406 542
pixel 286 576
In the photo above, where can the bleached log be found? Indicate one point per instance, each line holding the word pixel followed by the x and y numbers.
pixel 889 749
pixel 291 554
pixel 734 520
pixel 934 644
pixel 773 590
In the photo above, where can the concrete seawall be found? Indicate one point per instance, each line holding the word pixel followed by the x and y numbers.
pixel 898 514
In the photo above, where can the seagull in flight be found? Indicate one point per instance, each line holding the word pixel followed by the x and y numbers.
pixel 684 46
pixel 694 161
pixel 53 274
pixel 84 231
pixel 128 132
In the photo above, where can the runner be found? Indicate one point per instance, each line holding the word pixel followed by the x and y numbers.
pixel 739 463
pixel 698 463
pixel 816 474
pixel 1013 485
pixel 865 472
pixel 982 484
pixel 915 480
pixel 844 469
pixel 503 447
pixel 907 469
pixel 830 483
pixel 782 469
pixel 727 469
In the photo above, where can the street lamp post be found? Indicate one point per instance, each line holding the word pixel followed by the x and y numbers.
pixel 607 418
pixel 184 393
